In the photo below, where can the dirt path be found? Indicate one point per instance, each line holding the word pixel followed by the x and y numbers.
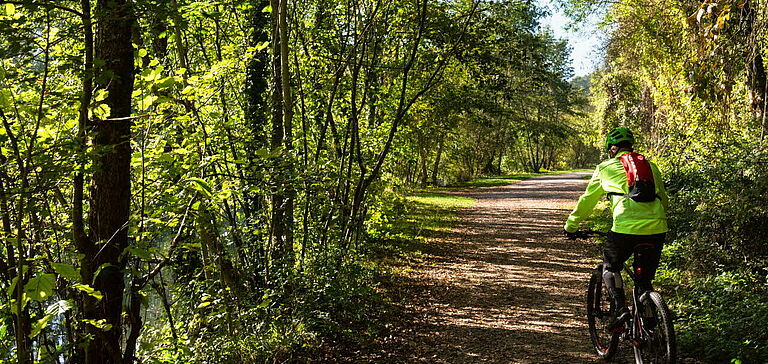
pixel 502 286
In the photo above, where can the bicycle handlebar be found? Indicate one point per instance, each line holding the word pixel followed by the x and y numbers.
pixel 584 234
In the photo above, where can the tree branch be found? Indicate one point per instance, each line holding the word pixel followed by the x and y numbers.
pixel 174 244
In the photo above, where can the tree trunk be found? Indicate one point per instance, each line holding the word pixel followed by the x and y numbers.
pixel 256 85
pixel 79 236
pixel 217 258
pixel 758 90
pixel 282 204
pixel 423 172
pixel 501 156
pixel 288 130
pixel 22 321
pixel 111 183
pixel 437 159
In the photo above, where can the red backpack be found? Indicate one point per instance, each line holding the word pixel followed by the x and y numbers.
pixel 639 177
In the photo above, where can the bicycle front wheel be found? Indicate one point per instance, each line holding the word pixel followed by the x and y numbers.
pixel 599 313
pixel 656 331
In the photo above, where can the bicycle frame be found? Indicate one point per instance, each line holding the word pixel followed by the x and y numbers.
pixel 649 318
pixel 634 328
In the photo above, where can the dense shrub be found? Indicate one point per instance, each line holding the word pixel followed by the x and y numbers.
pixel 715 264
pixel 720 207
pixel 719 317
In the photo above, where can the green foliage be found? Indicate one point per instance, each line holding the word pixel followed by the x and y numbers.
pixel 687 78
pixel 67 271
pixel 718 258
pixel 40 287
pixel 728 306
pixel 344 311
pixel 719 210
pixel 413 219
pixel 254 238
pixel 506 105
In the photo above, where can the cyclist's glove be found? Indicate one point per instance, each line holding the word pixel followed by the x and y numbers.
pixel 569 235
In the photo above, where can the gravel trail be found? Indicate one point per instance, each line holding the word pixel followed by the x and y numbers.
pixel 502 286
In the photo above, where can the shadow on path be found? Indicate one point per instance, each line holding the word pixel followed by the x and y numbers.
pixel 502 286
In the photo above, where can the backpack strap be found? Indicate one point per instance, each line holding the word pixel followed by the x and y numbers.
pixel 609 194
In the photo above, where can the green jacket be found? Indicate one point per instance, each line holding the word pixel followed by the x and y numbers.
pixel 629 217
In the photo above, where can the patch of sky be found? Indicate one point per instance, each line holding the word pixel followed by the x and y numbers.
pixel 585 38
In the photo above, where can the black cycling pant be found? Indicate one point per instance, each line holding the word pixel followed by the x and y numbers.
pixel 619 247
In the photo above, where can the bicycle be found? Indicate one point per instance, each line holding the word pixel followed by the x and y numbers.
pixel 649 331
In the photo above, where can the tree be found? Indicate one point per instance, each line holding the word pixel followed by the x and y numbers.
pixel 103 259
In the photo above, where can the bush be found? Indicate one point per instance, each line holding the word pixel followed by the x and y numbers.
pixel 720 317
pixel 715 265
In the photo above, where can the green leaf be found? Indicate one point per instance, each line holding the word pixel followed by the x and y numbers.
pixel 140 253
pixel 10 9
pixel 188 90
pixel 155 73
pixel 39 325
pixel 67 271
pixel 267 9
pixel 99 269
pixel 204 304
pixel 200 185
pixel 262 45
pixel 101 95
pixel 3 330
pixel 90 291
pixel 100 111
pixel 166 82
pixel 40 287
pixel 99 324
pixel 12 288
pixel 142 53
pixel 262 153
pixel 5 98
pixel 264 303
pixel 147 102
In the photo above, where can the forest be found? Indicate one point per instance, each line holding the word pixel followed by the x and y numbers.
pixel 208 181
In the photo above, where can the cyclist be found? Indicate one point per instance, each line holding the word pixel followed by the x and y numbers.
pixel 638 227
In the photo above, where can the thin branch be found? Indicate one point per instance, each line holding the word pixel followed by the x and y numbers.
pixel 171 250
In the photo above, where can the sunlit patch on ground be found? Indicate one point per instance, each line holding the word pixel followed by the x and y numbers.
pixel 501 285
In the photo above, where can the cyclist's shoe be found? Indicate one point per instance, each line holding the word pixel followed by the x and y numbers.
pixel 621 316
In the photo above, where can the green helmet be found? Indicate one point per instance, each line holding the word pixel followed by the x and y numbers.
pixel 618 135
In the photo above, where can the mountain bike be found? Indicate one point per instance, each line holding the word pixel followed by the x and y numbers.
pixel 649 331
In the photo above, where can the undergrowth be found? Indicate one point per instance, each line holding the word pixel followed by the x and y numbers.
pixel 713 268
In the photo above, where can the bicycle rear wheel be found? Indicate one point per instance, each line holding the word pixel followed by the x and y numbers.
pixel 599 313
pixel 657 332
